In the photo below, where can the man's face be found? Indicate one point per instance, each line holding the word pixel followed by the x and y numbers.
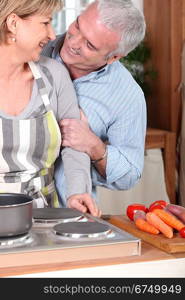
pixel 88 42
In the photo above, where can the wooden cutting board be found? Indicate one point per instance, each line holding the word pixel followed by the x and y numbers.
pixel 174 245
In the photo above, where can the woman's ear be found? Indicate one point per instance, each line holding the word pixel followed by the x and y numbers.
pixel 11 23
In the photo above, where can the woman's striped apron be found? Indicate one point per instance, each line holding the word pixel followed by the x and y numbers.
pixel 28 150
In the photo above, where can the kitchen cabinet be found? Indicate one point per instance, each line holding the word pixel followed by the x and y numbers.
pixel 165 22
pixel 165 35
pixel 152 263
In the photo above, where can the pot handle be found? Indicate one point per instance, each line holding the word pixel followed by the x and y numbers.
pixel 32 192
pixel 43 198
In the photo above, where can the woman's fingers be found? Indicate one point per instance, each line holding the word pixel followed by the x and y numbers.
pixel 84 203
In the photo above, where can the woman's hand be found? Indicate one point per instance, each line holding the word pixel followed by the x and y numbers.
pixel 84 203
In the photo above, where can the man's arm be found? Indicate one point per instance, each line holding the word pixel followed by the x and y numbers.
pixel 122 166
pixel 77 134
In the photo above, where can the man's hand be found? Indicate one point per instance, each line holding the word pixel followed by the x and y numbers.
pixel 84 203
pixel 77 134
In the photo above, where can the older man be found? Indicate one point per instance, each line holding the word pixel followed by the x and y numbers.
pixel 113 120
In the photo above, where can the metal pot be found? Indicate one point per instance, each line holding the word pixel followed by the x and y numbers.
pixel 15 214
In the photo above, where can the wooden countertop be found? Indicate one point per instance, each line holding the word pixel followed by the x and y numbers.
pixel 152 263
pixel 150 258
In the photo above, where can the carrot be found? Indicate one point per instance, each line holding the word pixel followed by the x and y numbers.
pixel 139 214
pixel 154 220
pixel 177 210
pixel 145 226
pixel 169 219
pixel 141 222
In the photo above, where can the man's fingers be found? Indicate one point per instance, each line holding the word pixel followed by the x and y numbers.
pixel 64 122
pixel 83 116
pixel 66 143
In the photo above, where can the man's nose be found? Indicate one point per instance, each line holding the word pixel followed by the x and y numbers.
pixel 76 41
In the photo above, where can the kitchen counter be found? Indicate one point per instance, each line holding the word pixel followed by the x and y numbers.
pixel 152 262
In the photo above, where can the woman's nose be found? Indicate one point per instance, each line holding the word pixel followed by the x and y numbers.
pixel 51 33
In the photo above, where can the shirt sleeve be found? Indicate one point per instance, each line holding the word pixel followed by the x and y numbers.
pixel 126 142
pixel 76 164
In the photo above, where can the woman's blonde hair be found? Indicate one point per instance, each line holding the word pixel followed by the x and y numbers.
pixel 24 8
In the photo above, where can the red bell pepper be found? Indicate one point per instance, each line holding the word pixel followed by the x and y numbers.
pixel 159 204
pixel 131 209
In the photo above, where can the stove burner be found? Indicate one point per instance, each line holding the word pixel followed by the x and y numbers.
pixel 82 230
pixel 16 241
pixel 50 215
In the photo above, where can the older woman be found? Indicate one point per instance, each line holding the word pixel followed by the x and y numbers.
pixel 35 94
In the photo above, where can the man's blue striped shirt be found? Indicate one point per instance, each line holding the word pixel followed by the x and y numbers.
pixel 116 110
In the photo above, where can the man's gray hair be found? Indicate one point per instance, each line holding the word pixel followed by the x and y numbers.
pixel 123 17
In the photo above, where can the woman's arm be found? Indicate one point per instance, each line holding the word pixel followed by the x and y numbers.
pixel 76 163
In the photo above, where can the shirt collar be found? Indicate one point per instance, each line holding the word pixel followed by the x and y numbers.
pixel 56 45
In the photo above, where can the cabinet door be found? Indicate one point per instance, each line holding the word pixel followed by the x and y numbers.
pixel 165 34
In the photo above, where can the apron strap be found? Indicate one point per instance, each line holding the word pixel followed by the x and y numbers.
pixel 41 85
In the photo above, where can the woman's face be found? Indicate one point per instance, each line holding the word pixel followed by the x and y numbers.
pixel 32 34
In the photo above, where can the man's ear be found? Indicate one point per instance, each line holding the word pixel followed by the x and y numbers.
pixel 11 23
pixel 113 59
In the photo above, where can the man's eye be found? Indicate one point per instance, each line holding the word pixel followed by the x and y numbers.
pixel 89 45
pixel 46 23
pixel 76 25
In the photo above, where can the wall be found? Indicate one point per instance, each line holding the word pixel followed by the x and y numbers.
pixel 151 187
